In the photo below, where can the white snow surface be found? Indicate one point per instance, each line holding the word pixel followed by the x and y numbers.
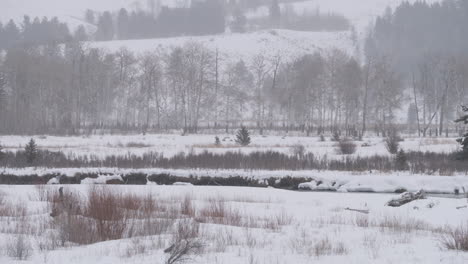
pixel 307 219
pixel 335 181
pixel 172 144
pixel 288 44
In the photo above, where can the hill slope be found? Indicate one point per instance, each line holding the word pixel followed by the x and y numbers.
pixel 288 44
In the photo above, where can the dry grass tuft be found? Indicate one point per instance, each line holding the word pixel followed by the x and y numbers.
pixel 456 238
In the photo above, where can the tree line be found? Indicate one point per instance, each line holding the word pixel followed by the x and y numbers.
pixel 71 87
pixel 34 32
pixel 427 44
pixel 200 18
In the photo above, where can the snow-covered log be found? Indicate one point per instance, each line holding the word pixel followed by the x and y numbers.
pixel 405 198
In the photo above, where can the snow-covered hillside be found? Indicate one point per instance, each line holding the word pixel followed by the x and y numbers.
pixel 289 44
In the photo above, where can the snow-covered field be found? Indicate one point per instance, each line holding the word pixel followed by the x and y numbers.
pixel 257 226
pixel 172 144
pixel 330 181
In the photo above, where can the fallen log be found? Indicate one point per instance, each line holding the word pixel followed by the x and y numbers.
pixel 358 210
pixel 462 207
pixel 405 198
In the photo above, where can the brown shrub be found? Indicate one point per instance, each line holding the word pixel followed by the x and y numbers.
pixel 105 208
pixel 397 224
pixel 186 207
pixel 346 147
pixel 19 248
pixel 456 238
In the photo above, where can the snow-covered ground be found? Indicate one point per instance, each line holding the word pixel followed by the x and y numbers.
pixel 286 43
pixel 172 144
pixel 331 181
pixel 274 226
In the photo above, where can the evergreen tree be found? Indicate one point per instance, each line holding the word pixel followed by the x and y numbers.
pixel 392 142
pixel 123 25
pixel 1 152
pixel 2 37
pixel 105 25
pixel 3 93
pixel 243 137
pixel 31 151
pixel 336 136
pixel 275 11
pixel 401 160
pixel 463 141
pixel 89 17
pixel 80 34
pixel 11 35
pixel 3 101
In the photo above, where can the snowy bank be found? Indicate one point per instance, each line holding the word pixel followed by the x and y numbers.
pixel 313 180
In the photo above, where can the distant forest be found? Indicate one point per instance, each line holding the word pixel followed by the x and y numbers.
pixel 427 45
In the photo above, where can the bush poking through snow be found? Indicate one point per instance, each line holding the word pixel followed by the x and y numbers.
pixel 298 150
pixel 456 238
pixel 346 147
pixel 401 161
pixel 31 151
pixel 185 243
pixel 104 207
pixel 19 248
pixel 336 136
pixel 392 143
pixel 243 137
pixel 1 152
pixel 322 138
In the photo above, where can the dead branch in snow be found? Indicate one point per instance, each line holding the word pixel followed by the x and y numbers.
pixel 358 210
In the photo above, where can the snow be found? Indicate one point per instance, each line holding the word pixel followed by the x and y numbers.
pixel 337 181
pixel 172 144
pixel 235 46
pixel 312 217
pixel 182 184
pixel 169 145
pixel 102 179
